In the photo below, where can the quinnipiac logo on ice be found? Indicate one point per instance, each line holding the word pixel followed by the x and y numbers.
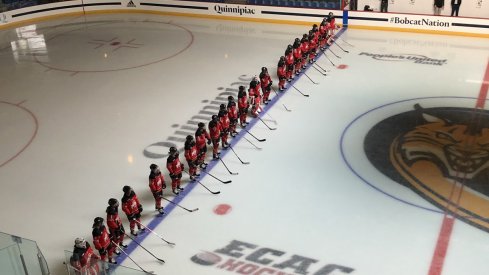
pixel 235 10
pixel 419 22
pixel 434 151
pixel 415 58
pixel 246 258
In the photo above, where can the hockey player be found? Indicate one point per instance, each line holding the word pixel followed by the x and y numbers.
pixel 289 62
pixel 215 133
pixel 84 260
pixel 266 84
pixel 297 56
pixel 312 46
pixel 175 167
pixel 305 50
pixel 332 25
pixel 132 208
pixel 242 106
pixel 225 122
pixel 102 241
pixel 254 96
pixel 191 155
pixel 201 137
pixel 156 185
pixel 233 116
pixel 323 34
pixel 116 229
pixel 281 73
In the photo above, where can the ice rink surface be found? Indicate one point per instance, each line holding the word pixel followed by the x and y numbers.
pixel 88 103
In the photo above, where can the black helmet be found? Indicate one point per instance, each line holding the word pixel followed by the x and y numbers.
pixel 264 69
pixel 214 117
pixel 112 202
pixel 173 150
pixel 241 88
pixel 201 124
pixel 98 220
pixel 126 188
pixel 153 166
pixel 230 98
pixel 222 107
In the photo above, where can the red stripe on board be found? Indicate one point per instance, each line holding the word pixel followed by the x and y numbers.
pixel 441 246
pixel 481 100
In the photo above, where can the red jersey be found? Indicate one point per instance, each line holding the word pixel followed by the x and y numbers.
pixel 281 70
pixel 305 47
pixel 243 102
pixel 265 80
pixel 215 129
pixel 201 136
pixel 323 29
pixel 289 59
pixel 297 53
pixel 174 165
pixel 156 182
pixel 224 122
pixel 113 220
pixel 332 24
pixel 191 152
pixel 84 258
pixel 130 204
pixel 232 111
pixel 101 239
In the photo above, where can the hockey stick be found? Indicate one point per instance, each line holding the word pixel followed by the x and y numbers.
pixel 161 260
pixel 225 182
pixel 270 128
pixel 215 193
pixel 258 148
pixel 328 58
pixel 243 162
pixel 189 210
pixel 314 82
pixel 321 67
pixel 306 95
pixel 333 52
pixel 158 235
pixel 282 103
pixel 260 140
pixel 147 272
pixel 232 173
pixel 272 119
pixel 341 47
pixel 321 72
pixel 346 42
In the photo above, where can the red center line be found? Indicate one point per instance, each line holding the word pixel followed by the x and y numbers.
pixel 448 221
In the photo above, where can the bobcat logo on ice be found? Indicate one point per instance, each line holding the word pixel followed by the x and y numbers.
pixel 433 151
pixel 246 258
pixel 131 4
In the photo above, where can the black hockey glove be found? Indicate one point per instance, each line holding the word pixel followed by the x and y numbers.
pixel 140 208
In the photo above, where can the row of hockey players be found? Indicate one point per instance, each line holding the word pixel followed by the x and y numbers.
pixel 305 50
pixel 221 126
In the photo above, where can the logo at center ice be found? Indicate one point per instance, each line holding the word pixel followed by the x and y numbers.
pixel 440 153
pixel 415 58
pixel 246 258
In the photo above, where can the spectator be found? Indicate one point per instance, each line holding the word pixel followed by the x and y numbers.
pixel 384 4
pixel 438 6
pixel 456 6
